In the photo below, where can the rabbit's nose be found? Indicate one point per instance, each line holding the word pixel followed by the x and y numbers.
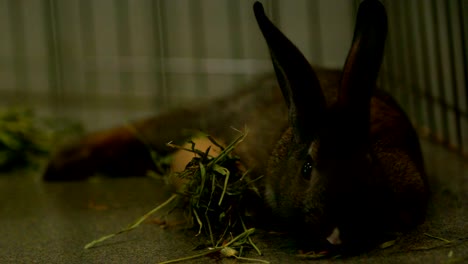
pixel 334 237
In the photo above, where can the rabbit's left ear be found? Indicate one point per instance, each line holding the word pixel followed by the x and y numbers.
pixel 363 62
pixel 298 81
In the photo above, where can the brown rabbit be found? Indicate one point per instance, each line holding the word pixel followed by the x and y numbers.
pixel 342 161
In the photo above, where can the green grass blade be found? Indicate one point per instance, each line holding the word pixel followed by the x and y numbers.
pixel 134 225
pixel 223 171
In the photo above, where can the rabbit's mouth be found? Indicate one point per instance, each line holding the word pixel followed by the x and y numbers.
pixel 334 238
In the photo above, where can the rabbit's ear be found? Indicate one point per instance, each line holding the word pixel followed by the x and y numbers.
pixel 297 79
pixel 363 62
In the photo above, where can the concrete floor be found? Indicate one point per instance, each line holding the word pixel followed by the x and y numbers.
pixel 51 222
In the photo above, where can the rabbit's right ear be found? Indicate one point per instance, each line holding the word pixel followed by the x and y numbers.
pixel 362 64
pixel 298 82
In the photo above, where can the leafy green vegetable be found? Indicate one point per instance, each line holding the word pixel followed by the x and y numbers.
pixel 25 139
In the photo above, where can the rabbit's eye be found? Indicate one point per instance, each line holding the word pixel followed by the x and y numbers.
pixel 307 168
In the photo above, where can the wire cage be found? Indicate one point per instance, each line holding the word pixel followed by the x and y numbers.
pixel 105 62
pixel 425 67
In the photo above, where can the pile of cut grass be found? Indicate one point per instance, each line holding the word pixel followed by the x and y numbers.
pixel 213 194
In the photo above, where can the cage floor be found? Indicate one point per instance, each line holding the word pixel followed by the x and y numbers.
pixel 51 222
